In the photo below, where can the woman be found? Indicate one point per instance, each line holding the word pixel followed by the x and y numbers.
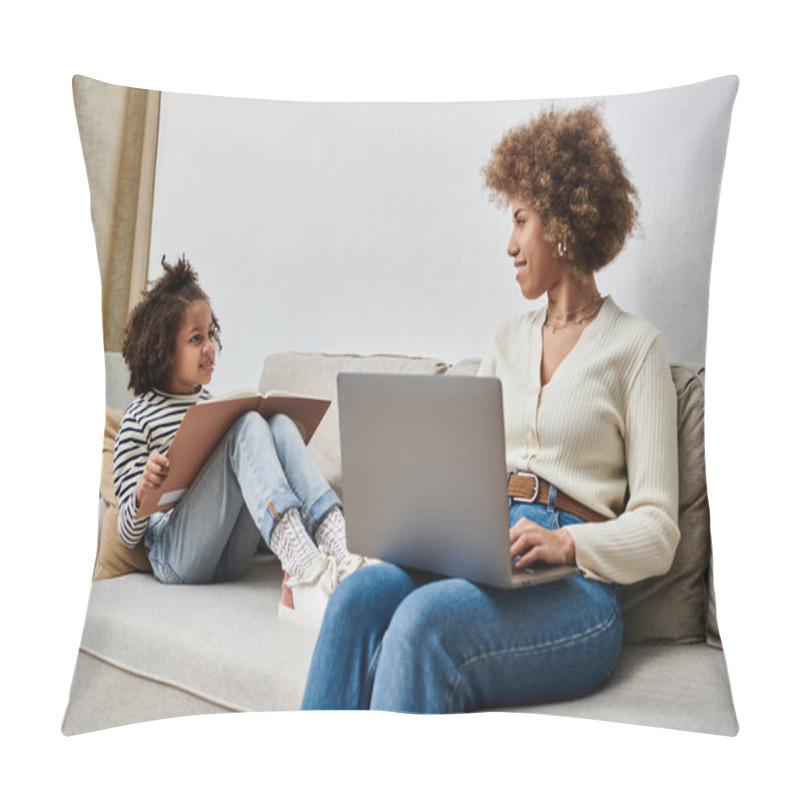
pixel 590 415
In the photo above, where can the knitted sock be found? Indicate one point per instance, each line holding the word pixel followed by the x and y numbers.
pixel 291 543
pixel 331 534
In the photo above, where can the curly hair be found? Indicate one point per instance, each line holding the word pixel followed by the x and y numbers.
pixel 565 165
pixel 154 323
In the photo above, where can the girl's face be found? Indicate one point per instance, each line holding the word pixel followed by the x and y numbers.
pixel 538 269
pixel 192 361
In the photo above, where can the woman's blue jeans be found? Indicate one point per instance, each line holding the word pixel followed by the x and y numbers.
pixel 260 470
pixel 399 640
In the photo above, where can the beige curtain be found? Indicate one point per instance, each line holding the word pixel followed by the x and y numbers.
pixel 119 131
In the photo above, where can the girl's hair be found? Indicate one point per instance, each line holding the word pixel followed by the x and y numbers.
pixel 564 164
pixel 154 324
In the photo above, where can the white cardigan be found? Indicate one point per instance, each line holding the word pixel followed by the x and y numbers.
pixel 605 424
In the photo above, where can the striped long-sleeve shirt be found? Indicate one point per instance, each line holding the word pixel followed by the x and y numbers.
pixel 149 423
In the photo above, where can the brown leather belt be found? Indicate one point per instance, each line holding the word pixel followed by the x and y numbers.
pixel 525 487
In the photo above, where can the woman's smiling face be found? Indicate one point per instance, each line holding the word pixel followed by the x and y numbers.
pixel 538 268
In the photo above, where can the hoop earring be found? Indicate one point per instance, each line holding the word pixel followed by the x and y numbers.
pixel 562 249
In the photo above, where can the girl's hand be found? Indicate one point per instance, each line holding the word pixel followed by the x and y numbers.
pixel 532 542
pixel 155 472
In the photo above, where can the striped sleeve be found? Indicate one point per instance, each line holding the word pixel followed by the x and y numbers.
pixel 149 424
pixel 131 451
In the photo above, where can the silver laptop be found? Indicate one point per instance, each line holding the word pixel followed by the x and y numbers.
pixel 424 476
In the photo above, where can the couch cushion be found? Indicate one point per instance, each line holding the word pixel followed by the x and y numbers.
pixel 222 647
pixel 104 696
pixel 315 374
pixel 467 366
pixel 222 643
pixel 684 687
pixel 673 606
pixel 113 558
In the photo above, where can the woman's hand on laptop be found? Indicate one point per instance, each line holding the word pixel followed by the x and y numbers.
pixel 531 542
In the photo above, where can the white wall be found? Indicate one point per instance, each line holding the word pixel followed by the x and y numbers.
pixel 365 227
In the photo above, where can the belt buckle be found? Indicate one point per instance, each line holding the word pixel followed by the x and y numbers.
pixel 535 488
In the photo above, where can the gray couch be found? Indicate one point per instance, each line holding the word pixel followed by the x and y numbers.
pixel 150 651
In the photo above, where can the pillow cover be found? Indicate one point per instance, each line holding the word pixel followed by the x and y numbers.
pixel 365 228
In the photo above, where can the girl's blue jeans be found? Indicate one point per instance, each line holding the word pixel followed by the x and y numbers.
pixel 259 471
pixel 399 640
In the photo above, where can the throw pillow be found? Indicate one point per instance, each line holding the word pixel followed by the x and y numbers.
pixel 113 558
pixel 363 228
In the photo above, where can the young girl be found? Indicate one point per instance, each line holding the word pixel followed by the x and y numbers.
pixel 260 481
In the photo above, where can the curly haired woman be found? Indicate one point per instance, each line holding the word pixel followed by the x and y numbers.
pixel 590 416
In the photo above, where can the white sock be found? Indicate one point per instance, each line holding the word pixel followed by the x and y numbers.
pixel 291 543
pixel 331 534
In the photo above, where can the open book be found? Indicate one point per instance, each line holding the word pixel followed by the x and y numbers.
pixel 205 426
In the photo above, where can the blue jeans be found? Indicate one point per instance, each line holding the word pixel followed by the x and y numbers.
pixel 260 470
pixel 399 640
